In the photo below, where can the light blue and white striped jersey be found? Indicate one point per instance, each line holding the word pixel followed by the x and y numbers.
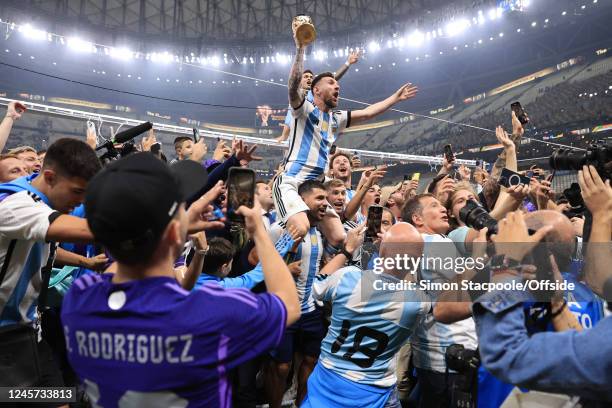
pixel 368 326
pixel 310 252
pixel 350 193
pixel 431 339
pixel 312 133
pixel 24 221
pixel 289 115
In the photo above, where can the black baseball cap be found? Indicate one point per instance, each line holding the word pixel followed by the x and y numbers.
pixel 131 201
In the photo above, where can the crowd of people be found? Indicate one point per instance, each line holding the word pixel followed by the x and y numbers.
pixel 143 284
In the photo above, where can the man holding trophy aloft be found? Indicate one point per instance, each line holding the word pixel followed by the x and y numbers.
pixel 313 131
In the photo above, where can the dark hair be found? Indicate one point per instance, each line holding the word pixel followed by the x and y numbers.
pixel 338 154
pixel 307 71
pixel 260 181
pixel 72 158
pixel 393 220
pixel 41 151
pixel 178 142
pixel 320 77
pixel 220 251
pixel 309 185
pixel 412 207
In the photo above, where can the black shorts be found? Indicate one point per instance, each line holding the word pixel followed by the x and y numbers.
pixel 303 336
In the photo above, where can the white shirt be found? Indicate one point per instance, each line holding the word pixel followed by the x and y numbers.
pixel 312 133
pixel 24 221
pixel 431 339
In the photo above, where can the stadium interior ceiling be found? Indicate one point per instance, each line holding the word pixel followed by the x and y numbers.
pixel 237 53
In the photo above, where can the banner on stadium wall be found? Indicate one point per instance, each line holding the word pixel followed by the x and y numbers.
pixel 475 98
pixel 441 110
pixel 266 115
pixel 121 108
pixel 191 122
pixel 79 102
pixel 30 97
pixel 549 137
pixel 523 80
pixel 580 131
pixel 159 115
pixel 569 63
pixel 602 128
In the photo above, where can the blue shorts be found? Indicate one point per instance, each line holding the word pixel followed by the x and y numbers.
pixel 328 389
pixel 304 336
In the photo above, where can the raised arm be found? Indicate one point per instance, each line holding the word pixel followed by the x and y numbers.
pixel 353 58
pixel 13 113
pixel 370 178
pixel 407 91
pixel 295 77
pixel 597 197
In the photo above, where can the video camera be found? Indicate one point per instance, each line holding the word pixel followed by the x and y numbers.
pixel 125 138
pixel 598 154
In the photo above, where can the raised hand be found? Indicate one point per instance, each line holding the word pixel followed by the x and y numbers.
pixel 14 110
pixel 597 195
pixel 221 152
pixel 243 152
pixel 353 57
pixel 354 238
pixel 201 211
pixel 517 127
pixel 513 239
pixel 503 138
pixel 148 141
pixel 407 91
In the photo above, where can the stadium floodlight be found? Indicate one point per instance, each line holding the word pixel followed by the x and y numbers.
pixel 80 45
pixel 535 23
pixel 564 13
pixel 457 27
pixel 492 14
pixel 215 60
pixel 32 33
pixel 121 53
pixel 162 57
pixel 481 17
pixel 416 38
pixel 373 46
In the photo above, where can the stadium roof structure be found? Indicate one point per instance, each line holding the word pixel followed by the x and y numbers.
pixel 226 22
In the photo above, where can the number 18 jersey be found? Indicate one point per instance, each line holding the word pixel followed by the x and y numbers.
pixel 368 326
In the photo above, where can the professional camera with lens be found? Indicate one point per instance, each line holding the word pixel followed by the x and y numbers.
pixel 475 216
pixel 464 389
pixel 598 154
pixel 460 359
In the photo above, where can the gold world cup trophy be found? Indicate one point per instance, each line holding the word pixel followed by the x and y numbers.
pixel 303 30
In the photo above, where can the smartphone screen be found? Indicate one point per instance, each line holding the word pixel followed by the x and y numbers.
pixel 332 150
pixel 240 191
pixel 520 113
pixel 374 222
pixel 196 135
pixel 406 177
pixel 416 176
pixel 448 153
pixel 509 178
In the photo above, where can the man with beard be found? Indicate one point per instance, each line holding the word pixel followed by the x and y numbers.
pixel 313 132
pixel 306 334
pixel 305 85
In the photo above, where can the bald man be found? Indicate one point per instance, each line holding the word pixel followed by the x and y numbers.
pixel 373 314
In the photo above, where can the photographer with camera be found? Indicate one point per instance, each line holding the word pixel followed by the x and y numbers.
pixel 568 362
